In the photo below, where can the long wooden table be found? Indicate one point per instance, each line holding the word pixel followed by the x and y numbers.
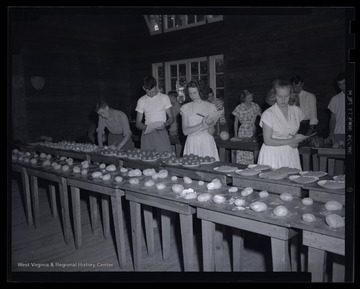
pixel 331 160
pixel 224 145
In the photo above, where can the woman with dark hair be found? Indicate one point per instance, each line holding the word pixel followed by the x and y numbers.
pixel 118 125
pixel 280 124
pixel 245 114
pixel 196 125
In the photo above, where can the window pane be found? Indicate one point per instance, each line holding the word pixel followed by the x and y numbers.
pixel 173 70
pixel 191 19
pixel 173 84
pixel 219 65
pixel 200 18
pixel 161 71
pixel 220 93
pixel 195 77
pixel 194 68
pixel 220 80
pixel 178 21
pixel 161 85
pixel 170 19
pixel 204 79
pixel 182 69
pixel 203 67
pixel 182 81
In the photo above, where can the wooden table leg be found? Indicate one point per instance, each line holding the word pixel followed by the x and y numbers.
pixel 306 162
pixel 238 249
pixel 187 241
pixel 165 233
pixel 222 154
pixel 338 268
pixel 35 200
pixel 323 163
pixel 208 231
pixel 119 229
pixel 295 253
pixel 52 191
pixel 65 211
pixel 135 219
pixel 315 162
pixel 317 264
pixel 27 196
pixel 93 212
pixel 149 229
pixel 105 215
pixel 280 255
pixel 219 234
pixel 331 166
pixel 75 199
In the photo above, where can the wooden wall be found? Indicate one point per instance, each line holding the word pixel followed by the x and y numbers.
pixel 87 55
pixel 257 49
pixel 82 57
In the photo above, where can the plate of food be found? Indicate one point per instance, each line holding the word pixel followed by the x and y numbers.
pixel 189 166
pixel 149 160
pixel 317 174
pixel 332 184
pixel 339 178
pixel 273 175
pixel 302 179
pixel 248 172
pixel 259 167
pixel 226 169
pixel 289 171
pixel 208 163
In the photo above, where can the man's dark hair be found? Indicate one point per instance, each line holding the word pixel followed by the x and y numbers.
pixel 149 82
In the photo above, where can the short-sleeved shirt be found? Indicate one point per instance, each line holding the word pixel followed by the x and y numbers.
pixel 308 106
pixel 337 106
pixel 154 108
pixel 117 123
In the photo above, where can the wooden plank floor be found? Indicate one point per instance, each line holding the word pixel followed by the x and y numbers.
pixel 37 250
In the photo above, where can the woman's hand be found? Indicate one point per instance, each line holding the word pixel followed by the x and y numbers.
pixel 209 121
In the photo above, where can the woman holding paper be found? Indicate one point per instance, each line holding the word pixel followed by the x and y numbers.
pixel 245 114
pixel 198 120
pixel 280 124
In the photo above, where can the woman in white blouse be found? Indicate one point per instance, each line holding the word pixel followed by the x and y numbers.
pixel 280 124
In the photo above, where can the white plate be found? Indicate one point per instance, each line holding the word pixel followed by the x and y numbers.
pixel 325 184
pixel 150 160
pixel 317 174
pixel 261 167
pixel 228 169
pixel 295 179
pixel 276 176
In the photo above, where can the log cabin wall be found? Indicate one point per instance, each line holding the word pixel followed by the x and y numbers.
pixel 85 56
pixel 257 49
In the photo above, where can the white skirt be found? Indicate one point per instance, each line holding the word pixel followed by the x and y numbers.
pixel 279 156
pixel 201 144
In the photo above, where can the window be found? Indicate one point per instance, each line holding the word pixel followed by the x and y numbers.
pixel 166 23
pixel 174 75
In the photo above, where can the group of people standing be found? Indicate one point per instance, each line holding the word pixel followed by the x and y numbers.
pixel 291 117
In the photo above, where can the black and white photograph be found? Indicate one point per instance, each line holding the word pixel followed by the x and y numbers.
pixel 180 144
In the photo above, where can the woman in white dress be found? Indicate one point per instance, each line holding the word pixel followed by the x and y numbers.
pixel 280 124
pixel 196 125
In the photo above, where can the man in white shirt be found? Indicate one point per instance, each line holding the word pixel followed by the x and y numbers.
pixel 307 103
pixel 155 106
pixel 337 108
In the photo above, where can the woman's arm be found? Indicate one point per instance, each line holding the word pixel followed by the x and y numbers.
pixel 270 141
pixel 192 129
pixel 236 126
